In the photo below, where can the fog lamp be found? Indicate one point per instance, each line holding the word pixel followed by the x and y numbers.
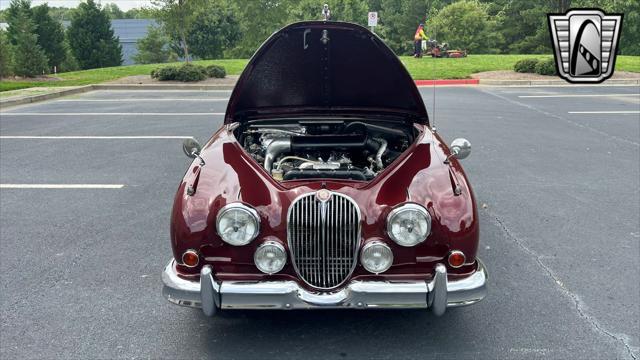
pixel 270 257
pixel 376 257
pixel 456 259
pixel 190 258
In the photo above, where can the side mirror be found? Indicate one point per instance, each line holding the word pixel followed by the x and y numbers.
pixel 191 147
pixel 460 148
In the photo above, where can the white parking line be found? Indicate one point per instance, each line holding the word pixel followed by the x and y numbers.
pixel 579 95
pixel 93 137
pixel 108 114
pixel 61 186
pixel 143 99
pixel 605 112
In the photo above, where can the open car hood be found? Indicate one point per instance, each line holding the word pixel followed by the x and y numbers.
pixel 325 68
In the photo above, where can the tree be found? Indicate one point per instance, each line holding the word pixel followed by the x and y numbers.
pixel 258 20
pixel 523 24
pixel 28 58
pixel 177 18
pixel 113 11
pixel 630 35
pixel 399 20
pixel 50 35
pixel 17 9
pixel 5 55
pixel 91 38
pixel 153 48
pixel 354 11
pixel 70 63
pixel 61 13
pixel 215 29
pixel 141 13
pixel 466 24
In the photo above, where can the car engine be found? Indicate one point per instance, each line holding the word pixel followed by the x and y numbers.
pixel 324 149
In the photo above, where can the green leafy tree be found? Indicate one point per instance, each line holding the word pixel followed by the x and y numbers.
pixel 5 55
pixel 28 57
pixel 354 11
pixel 398 22
pixel 258 20
pixel 50 35
pixel 215 29
pixel 70 63
pixel 113 11
pixel 466 24
pixel 17 10
pixel 523 24
pixel 153 48
pixel 61 13
pixel 138 13
pixel 630 35
pixel 177 18
pixel 91 38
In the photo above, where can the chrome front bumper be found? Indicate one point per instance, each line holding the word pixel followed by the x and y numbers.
pixel 211 295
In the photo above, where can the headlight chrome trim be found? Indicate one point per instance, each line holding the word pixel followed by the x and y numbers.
pixel 276 244
pixel 371 244
pixel 403 207
pixel 243 207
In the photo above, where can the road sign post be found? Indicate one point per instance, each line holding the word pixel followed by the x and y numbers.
pixel 373 20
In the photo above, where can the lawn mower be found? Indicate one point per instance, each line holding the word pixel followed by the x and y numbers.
pixel 442 50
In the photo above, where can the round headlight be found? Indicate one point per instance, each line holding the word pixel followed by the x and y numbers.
pixel 376 257
pixel 409 224
pixel 270 257
pixel 237 224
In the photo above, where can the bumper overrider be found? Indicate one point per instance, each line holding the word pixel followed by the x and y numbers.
pixel 211 295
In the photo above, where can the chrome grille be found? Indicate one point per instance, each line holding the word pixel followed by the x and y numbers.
pixel 324 238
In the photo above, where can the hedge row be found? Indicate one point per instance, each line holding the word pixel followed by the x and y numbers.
pixel 188 72
pixel 542 67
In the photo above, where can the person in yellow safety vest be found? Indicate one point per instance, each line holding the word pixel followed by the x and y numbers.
pixel 417 41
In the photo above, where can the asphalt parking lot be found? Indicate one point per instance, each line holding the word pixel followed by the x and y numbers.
pixel 556 171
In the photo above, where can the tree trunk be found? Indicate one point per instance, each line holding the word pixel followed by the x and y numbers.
pixel 185 47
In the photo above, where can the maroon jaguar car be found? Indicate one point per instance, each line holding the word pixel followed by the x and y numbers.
pixel 326 187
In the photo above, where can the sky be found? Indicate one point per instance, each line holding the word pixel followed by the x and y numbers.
pixel 122 4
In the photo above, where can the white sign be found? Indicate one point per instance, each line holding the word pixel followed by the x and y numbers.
pixel 373 18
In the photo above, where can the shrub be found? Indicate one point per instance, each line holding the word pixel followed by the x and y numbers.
pixel 546 67
pixel 216 71
pixel 165 73
pixel 526 65
pixel 186 72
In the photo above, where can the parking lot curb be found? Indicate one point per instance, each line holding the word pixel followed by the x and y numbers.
pixel 553 82
pixel 81 89
pixel 447 82
pixel 162 87
pixel 43 97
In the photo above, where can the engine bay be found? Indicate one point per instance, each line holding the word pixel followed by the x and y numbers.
pixel 324 149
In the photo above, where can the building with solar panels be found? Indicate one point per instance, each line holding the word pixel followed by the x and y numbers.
pixel 129 31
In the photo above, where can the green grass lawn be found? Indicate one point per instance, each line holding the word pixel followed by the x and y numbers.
pixel 420 69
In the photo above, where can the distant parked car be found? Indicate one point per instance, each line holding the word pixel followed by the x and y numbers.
pixel 326 187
